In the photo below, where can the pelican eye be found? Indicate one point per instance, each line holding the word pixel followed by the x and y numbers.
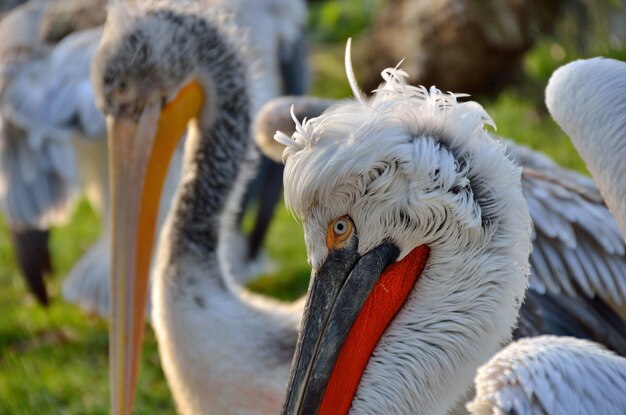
pixel 339 232
pixel 340 227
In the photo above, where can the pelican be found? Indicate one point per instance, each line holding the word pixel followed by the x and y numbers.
pixel 162 69
pixel 414 364
pixel 42 129
pixel 53 138
pixel 406 332
pixel 419 251
pixel 578 267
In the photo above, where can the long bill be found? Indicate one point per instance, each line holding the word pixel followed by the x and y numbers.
pixel 350 304
pixel 139 154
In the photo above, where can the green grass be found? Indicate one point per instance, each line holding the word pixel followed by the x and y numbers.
pixel 54 361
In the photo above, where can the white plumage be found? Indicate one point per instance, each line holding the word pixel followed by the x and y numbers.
pixel 551 375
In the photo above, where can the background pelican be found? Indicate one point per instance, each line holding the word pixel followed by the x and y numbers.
pixel 223 350
pixel 43 128
pixel 596 122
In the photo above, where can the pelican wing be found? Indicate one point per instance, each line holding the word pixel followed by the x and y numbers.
pixel 577 245
pixel 46 104
pixel 551 375
pixel 581 317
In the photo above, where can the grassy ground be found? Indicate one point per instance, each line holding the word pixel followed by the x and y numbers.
pixel 54 361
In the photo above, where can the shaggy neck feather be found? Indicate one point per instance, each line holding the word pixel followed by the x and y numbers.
pixel 217 147
pixel 459 313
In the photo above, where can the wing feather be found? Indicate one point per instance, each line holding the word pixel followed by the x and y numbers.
pixel 551 375
pixel 581 317
pixel 578 248
pixel 46 103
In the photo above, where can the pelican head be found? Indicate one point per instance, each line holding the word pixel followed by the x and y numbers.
pixel 418 236
pixel 152 78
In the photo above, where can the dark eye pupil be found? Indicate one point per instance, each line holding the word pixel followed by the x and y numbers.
pixel 340 227
pixel 122 86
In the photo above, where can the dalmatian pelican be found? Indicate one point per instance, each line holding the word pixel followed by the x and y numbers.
pixel 368 344
pixel 419 251
pixel 160 70
pixel 578 268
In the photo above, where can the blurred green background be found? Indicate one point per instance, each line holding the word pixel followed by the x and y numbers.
pixel 54 361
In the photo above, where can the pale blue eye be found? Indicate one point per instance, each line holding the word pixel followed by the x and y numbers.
pixel 340 227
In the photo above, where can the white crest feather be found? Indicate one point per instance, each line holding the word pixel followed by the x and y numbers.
pixel 356 91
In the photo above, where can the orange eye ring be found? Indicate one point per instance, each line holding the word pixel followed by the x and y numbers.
pixel 339 232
